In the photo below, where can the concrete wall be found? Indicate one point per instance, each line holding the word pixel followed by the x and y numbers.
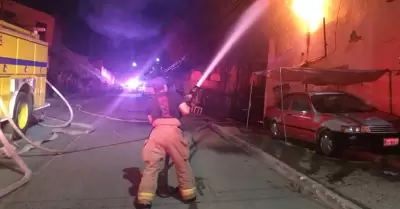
pixel 375 43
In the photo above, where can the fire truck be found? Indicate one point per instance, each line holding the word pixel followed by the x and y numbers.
pixel 23 70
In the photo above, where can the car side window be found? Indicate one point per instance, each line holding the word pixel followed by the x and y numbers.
pixel 301 103
pixel 286 103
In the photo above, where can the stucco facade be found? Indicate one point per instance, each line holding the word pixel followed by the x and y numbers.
pixel 359 34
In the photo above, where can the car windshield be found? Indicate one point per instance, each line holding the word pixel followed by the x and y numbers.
pixel 339 103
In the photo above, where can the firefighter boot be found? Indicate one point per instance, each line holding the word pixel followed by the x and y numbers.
pixel 186 200
pixel 142 206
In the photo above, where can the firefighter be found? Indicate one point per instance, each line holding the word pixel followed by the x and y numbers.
pixel 166 137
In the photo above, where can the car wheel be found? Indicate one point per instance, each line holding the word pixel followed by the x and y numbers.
pixel 327 145
pixel 274 129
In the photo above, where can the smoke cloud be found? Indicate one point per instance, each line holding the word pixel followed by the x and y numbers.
pixel 128 19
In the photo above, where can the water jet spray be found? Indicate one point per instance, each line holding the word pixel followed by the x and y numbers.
pixel 247 19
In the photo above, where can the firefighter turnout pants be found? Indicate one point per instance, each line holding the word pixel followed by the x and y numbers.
pixel 166 137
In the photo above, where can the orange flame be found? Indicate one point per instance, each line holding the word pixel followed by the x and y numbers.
pixel 310 12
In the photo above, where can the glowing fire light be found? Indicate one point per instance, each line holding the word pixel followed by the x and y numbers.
pixel 311 12
pixel 245 21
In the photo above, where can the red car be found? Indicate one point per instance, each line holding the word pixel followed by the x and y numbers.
pixel 334 121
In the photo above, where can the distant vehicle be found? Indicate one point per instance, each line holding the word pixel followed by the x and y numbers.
pixel 133 85
pixel 148 89
pixel 136 86
pixel 334 121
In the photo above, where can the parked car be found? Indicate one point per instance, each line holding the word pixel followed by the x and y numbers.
pixel 147 89
pixel 334 121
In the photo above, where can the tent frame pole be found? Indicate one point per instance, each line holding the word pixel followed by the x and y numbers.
pixel 249 107
pixel 265 101
pixel 390 92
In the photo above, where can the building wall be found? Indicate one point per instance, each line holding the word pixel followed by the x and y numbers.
pixel 375 43
pixel 28 18
pixel 60 57
pixel 65 60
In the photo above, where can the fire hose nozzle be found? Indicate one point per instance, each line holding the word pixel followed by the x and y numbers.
pixel 194 90
pixel 192 94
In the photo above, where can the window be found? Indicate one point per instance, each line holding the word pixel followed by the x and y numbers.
pixel 340 103
pixel 8 16
pixel 42 34
pixel 301 103
pixel 286 103
pixel 278 48
pixel 271 47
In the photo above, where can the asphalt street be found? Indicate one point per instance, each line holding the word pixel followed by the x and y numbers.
pixel 367 183
pixel 102 169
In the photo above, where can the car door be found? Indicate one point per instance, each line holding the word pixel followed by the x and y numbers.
pixel 284 106
pixel 299 118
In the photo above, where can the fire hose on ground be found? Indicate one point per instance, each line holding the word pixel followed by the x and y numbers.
pixel 56 129
pixel 80 109
pixel 13 154
pixel 245 21
pixel 59 128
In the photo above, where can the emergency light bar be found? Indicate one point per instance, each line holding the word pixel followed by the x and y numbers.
pixel 40 29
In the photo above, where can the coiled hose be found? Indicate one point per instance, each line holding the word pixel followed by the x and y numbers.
pixel 60 128
pixel 10 152
pixel 56 128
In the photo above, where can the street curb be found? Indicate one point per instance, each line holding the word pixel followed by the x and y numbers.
pixel 302 183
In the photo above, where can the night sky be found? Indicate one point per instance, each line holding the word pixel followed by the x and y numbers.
pixel 111 29
pixel 76 32
pixel 122 31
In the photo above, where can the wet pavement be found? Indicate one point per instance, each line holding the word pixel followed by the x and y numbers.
pixel 103 168
pixel 369 182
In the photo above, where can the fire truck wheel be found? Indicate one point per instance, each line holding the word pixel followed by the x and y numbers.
pixel 22 115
